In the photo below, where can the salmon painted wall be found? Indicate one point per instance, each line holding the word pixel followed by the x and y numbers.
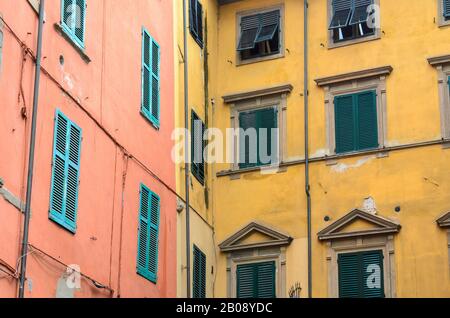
pixel 119 151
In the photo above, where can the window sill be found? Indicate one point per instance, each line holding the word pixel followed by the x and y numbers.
pixel 77 48
pixel 444 23
pixel 156 126
pixel 258 59
pixel 332 45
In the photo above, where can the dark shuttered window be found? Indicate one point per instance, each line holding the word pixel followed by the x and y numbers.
pixel 356 123
pixel 150 104
pixel 256 280
pixel 196 21
pixel 65 172
pixel 258 142
pixel 199 273
pixel 197 148
pixel 73 19
pixel 147 255
pixel 446 10
pixel 361 275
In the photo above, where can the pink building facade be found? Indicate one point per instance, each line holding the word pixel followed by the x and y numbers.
pixel 103 193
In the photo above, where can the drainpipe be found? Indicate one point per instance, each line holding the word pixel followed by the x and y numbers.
pixel 26 222
pixel 186 154
pixel 306 115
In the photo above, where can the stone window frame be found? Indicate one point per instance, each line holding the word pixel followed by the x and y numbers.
pixel 441 19
pixel 442 65
pixel 241 14
pixel 240 254
pixel 351 83
pixel 332 45
pixel 444 223
pixel 380 238
pixel 275 96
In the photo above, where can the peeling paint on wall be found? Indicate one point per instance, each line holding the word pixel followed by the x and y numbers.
pixel 342 167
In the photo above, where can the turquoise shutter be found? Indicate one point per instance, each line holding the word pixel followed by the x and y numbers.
pixel 65 172
pixel 150 105
pixel 349 275
pixel 199 279
pixel 344 124
pixel 446 9
pixel 147 258
pixel 367 123
pixel 368 261
pixel 355 270
pixel 73 16
pixel 256 280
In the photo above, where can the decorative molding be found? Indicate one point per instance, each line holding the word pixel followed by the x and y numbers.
pixel 439 60
pixel 241 96
pixel 384 226
pixel 278 238
pixel 373 72
pixel 444 221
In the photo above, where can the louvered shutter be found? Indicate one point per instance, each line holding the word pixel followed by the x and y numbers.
pixel 367 122
pixel 80 20
pixel 73 16
pixel 256 280
pixel 266 280
pixel 249 31
pixel 245 281
pixel 446 9
pixel 147 256
pixel 199 273
pixel 67 13
pixel 193 16
pixel 372 274
pixel 151 60
pixel 248 151
pixel 344 124
pixel 155 100
pixel 342 11
pixel 199 12
pixel 197 148
pixel 360 13
pixel 269 24
pixel 146 70
pixel 65 172
pixel 349 275
pixel 266 121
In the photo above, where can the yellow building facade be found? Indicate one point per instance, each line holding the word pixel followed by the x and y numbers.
pixel 379 133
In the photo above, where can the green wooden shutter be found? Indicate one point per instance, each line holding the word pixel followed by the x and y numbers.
pixel 344 124
pixel 367 123
pixel 199 273
pixel 65 172
pixel 247 120
pixel 356 272
pixel 446 10
pixel 73 20
pixel 147 256
pixel 197 147
pixel 372 264
pixel 266 120
pixel 342 11
pixel 256 280
pixel 196 21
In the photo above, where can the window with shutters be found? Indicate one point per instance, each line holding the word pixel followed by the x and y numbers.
pixel 260 35
pixel 150 104
pixel 147 250
pixel 442 66
pixel 196 21
pixel 73 20
pixel 65 172
pixel 443 12
pixel 198 145
pixel 361 274
pixel 356 122
pixel 256 280
pixel 352 21
pixel 199 274
pixel 258 138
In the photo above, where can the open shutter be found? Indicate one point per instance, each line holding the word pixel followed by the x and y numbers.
pixel 266 121
pixel 446 10
pixel 342 11
pixel 197 148
pixel 349 275
pixel 155 100
pixel 372 274
pixel 199 279
pixel 367 120
pixel 269 25
pixel 143 237
pixel 154 232
pixel 193 17
pixel 360 13
pixel 266 280
pixel 248 148
pixel 344 124
pixel 199 12
pixel 146 70
pixel 249 31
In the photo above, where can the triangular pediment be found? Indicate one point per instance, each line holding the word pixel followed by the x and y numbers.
pixel 255 235
pixel 358 223
pixel 444 221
